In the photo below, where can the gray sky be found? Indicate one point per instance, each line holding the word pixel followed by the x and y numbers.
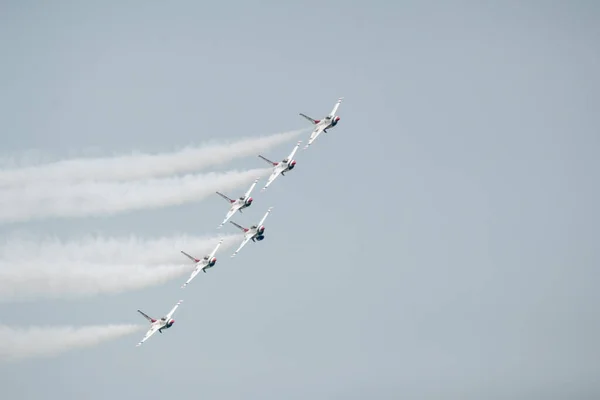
pixel 440 242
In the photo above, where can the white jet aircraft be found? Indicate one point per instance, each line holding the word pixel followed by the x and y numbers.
pixel 159 324
pixel 285 165
pixel 254 233
pixel 207 262
pixel 321 125
pixel 239 204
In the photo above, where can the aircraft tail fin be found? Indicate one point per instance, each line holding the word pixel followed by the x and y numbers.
pixel 225 197
pixel 194 259
pixel 314 121
pixel 238 226
pixel 267 160
pixel 146 316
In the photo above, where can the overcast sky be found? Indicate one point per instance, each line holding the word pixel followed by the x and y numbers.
pixel 439 242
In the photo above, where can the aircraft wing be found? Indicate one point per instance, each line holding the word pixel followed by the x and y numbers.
pixel 291 156
pixel 246 240
pixel 150 332
pixel 273 176
pixel 170 314
pixel 247 194
pixel 262 221
pixel 314 135
pixel 230 213
pixel 335 108
pixel 195 272
pixel 211 255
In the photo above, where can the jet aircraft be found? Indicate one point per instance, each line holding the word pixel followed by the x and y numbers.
pixel 205 263
pixel 238 204
pixel 254 233
pixel 321 125
pixel 159 324
pixel 281 167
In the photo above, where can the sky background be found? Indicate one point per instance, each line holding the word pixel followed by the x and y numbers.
pixel 439 242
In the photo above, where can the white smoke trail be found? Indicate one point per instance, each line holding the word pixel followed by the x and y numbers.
pixel 59 270
pixel 108 250
pixel 105 198
pixel 141 166
pixel 69 281
pixel 40 341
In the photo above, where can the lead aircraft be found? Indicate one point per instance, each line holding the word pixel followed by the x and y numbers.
pixel 281 167
pixel 205 263
pixel 254 233
pixel 239 204
pixel 321 125
pixel 159 324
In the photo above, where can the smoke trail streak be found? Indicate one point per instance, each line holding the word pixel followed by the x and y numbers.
pixel 65 280
pixel 40 341
pixel 108 250
pixel 107 198
pixel 33 278
pixel 142 166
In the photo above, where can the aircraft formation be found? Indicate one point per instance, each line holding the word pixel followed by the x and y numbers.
pixel 253 233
